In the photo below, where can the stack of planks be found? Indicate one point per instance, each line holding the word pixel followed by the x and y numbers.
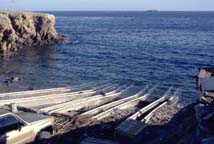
pixel 97 102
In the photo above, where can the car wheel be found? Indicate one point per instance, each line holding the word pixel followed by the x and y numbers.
pixel 44 137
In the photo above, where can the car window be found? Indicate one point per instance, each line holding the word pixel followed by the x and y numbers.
pixel 8 123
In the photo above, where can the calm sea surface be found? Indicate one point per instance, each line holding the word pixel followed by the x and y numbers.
pixel 164 48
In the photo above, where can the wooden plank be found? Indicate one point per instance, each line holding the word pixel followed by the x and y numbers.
pixel 34 92
pixel 107 106
pixel 55 107
pixel 49 91
pixel 145 120
pixel 86 103
pixel 90 102
pixel 53 100
pixel 45 98
pixel 142 98
pixel 152 105
pixel 41 92
pixel 90 140
pixel 126 105
pixel 113 104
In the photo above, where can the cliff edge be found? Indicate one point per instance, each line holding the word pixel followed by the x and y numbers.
pixel 20 29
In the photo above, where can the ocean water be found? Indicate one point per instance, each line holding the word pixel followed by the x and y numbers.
pixel 164 48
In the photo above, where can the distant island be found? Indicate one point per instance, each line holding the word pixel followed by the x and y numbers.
pixel 151 11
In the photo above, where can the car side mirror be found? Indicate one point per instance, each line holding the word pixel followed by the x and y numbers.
pixel 19 126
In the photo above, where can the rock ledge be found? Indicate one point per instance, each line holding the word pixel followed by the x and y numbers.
pixel 19 29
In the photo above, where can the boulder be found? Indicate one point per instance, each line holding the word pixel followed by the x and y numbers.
pixel 209 140
pixel 205 118
pixel 14 79
pixel 207 100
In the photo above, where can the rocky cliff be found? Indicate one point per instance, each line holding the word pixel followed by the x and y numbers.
pixel 20 29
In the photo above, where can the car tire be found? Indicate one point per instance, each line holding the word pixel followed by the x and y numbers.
pixel 44 137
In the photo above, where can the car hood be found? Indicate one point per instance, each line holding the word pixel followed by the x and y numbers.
pixel 33 117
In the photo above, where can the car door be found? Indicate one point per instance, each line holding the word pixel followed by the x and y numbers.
pixel 14 131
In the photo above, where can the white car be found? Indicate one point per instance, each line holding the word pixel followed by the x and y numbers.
pixel 24 127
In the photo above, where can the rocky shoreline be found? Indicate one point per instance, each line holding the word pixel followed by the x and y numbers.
pixel 204 108
pixel 21 29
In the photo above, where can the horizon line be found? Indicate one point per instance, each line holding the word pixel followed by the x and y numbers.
pixel 154 10
pixel 120 10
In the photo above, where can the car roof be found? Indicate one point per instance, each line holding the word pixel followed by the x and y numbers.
pixel 3 112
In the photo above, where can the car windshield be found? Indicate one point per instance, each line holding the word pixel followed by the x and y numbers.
pixel 8 123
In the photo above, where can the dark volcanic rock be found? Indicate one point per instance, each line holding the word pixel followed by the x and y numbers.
pixel 209 140
pixel 205 118
pixel 19 29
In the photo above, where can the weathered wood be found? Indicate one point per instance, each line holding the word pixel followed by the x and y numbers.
pixel 90 140
pixel 132 126
pixel 53 100
pixel 42 92
pixel 113 104
pixel 36 100
pixel 46 97
pixel 35 92
pixel 128 105
pixel 85 103
pixel 91 102
pixel 64 104
pixel 152 105
pixel 136 101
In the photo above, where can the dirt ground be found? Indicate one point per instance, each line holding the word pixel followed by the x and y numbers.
pixel 178 129
pixel 163 115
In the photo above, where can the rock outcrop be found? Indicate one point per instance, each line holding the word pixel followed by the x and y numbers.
pixel 205 106
pixel 20 29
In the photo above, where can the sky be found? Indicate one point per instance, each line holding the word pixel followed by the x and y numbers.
pixel 107 5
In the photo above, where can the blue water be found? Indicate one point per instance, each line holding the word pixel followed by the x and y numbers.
pixel 164 48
